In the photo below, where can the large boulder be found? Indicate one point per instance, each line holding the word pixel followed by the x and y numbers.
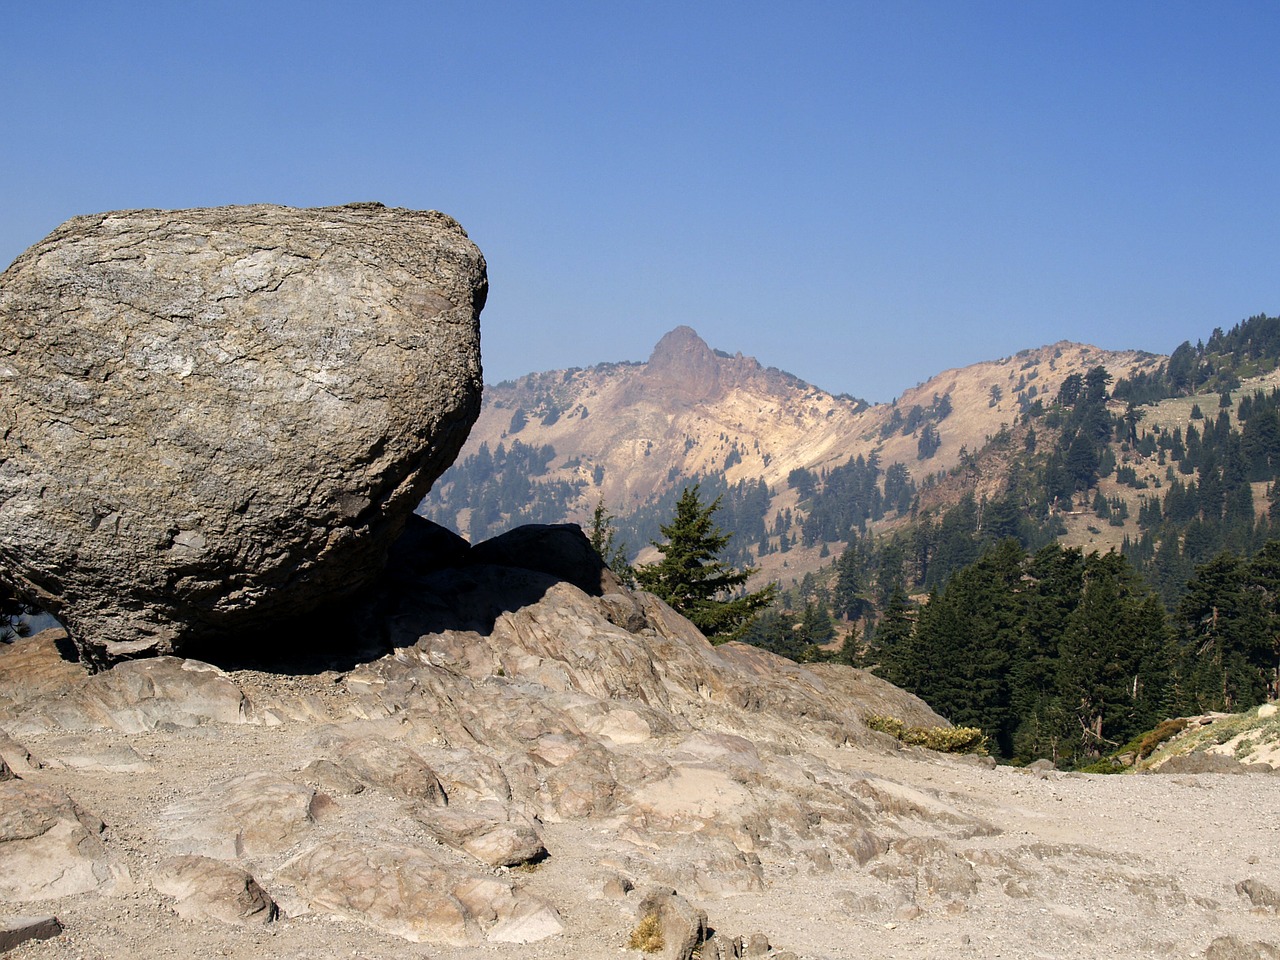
pixel 216 418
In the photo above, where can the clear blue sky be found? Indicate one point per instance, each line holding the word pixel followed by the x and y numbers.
pixel 860 193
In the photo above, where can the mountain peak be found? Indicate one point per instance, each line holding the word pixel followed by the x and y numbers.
pixel 684 364
pixel 679 347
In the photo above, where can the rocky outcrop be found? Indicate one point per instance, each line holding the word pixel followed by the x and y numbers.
pixel 208 889
pixel 49 845
pixel 221 417
pixel 410 892
pixel 517 766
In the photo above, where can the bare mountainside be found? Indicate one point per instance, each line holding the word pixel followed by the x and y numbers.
pixel 629 432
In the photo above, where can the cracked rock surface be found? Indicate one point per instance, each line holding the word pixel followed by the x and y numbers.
pixel 514 775
pixel 216 418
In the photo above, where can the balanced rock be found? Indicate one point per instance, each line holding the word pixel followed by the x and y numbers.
pixel 216 418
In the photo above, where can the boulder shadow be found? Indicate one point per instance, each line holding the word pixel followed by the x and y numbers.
pixel 434 582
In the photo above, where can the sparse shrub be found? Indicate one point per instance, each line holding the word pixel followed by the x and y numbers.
pixel 1105 765
pixel 647 936
pixel 890 725
pixel 941 739
pixel 1167 730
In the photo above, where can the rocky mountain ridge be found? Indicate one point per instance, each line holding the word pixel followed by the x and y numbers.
pixel 628 433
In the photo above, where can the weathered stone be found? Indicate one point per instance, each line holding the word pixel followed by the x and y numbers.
pixel 253 815
pixel 398 889
pixel 49 845
pixel 331 778
pixel 757 945
pixel 18 930
pixel 16 757
pixel 487 831
pixel 142 695
pixel 1202 762
pixel 32 668
pixel 505 914
pixel 91 754
pixel 405 891
pixel 217 418
pixel 207 889
pixel 1234 948
pixel 1259 894
pixel 383 763
pixel 683 927
pixel 616 887
pixel 721 947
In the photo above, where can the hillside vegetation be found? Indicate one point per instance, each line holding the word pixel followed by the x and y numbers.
pixel 549 446
pixel 1061 547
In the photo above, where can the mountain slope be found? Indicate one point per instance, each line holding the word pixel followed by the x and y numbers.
pixel 634 433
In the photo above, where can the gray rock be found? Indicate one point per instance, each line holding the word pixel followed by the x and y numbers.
pixel 488 831
pixel 616 887
pixel 18 930
pixel 407 892
pixel 1259 894
pixel 218 418
pixel 207 889
pixel 91 754
pixel 16 757
pixel 143 695
pixel 1233 948
pixel 684 927
pixel 49 845
pixel 253 815
pixel 1202 762
pixel 379 762
pixel 331 778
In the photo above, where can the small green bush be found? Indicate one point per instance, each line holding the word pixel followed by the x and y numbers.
pixel 941 739
pixel 1105 765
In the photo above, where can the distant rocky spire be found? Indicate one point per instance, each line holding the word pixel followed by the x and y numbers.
pixel 683 364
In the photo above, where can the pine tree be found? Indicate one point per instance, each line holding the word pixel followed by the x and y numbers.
pixel 692 578
pixel 891 651
pixel 815 623
pixel 603 538
pixel 1227 636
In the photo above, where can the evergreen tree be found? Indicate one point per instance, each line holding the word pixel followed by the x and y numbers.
pixel 1095 654
pixel 1228 639
pixel 891 650
pixel 848 596
pixel 776 630
pixel 1043 726
pixel 815 623
pixel 692 578
pixel 603 538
